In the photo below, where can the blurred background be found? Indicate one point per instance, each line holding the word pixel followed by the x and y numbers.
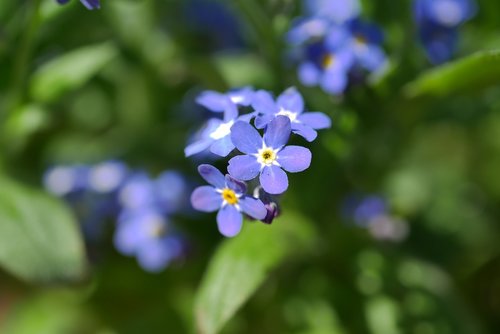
pixel 393 229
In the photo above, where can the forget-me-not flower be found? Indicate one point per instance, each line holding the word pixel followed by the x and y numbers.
pixel 227 195
pixel 366 43
pixel 216 134
pixel 290 104
pixel 267 156
pixel 90 4
pixel 438 22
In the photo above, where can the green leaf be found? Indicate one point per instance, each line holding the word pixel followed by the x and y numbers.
pixel 70 71
pixel 39 239
pixel 242 264
pixel 477 71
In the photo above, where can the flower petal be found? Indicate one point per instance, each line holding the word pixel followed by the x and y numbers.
pixel 243 167
pixel 91 4
pixel 316 120
pixel 245 138
pixel 253 207
pixel 263 103
pixel 154 256
pixel 304 131
pixel 229 221
pixel 334 81
pixel 238 186
pixel 222 147
pixel 277 132
pixel 291 100
pixel 213 101
pixel 309 74
pixel 206 199
pixel 262 120
pixel 197 147
pixel 212 175
pixel 294 158
pixel 230 111
pixel 273 180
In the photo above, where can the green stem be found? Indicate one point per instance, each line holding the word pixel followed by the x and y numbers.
pixel 24 53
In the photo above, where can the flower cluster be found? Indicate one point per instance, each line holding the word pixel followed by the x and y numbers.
pixel 438 22
pixel 90 4
pixel 334 47
pixel 372 213
pixel 141 207
pixel 265 157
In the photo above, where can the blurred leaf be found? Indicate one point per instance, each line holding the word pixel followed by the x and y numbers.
pixel 243 69
pixel 39 240
pixel 70 71
pixel 241 265
pixel 477 71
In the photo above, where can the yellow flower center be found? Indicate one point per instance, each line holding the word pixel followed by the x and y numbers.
pixel 229 196
pixel 360 40
pixel 266 156
pixel 327 60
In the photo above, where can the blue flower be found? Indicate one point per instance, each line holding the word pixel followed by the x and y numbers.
pixel 66 180
pixel 227 195
pixel 267 156
pixel 366 43
pixel 438 22
pixel 107 177
pixel 216 134
pixel 171 189
pixel 308 29
pixel 444 13
pixel 338 11
pixel 291 104
pixel 146 234
pixel 90 4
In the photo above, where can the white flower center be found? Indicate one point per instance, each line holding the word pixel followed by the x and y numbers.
pixel 291 115
pixel 267 156
pixel 236 99
pixel 223 130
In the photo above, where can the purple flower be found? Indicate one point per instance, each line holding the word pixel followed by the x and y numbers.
pixel 338 11
pixel 144 234
pixel 327 62
pixel 216 134
pixel 227 195
pixel 267 156
pixel 90 4
pixel 290 104
pixel 366 43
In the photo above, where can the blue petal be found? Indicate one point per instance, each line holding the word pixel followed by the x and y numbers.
pixel 229 221
pixel 334 82
pixel 262 120
pixel 316 120
pixel 222 147
pixel 294 158
pixel 230 112
pixel 126 238
pixel 253 207
pixel 245 138
pixel 309 74
pixel 197 147
pixel 291 100
pixel 273 180
pixel 278 132
pixel 213 101
pixel 263 103
pixel 91 4
pixel 206 199
pixel 154 256
pixel 238 186
pixel 244 167
pixel 304 131
pixel 212 175
pixel 242 96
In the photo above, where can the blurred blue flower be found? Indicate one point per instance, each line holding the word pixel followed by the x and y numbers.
pixel 366 44
pixel 437 22
pixel 216 133
pixel 308 29
pixel 267 156
pixel 290 104
pixel 90 4
pixel 66 180
pixel 227 195
pixel 338 11
pixel 146 234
